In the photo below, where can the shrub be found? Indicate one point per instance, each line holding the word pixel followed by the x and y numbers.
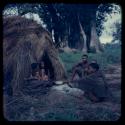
pixel 111 55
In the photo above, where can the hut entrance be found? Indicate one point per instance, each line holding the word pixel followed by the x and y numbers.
pixel 48 66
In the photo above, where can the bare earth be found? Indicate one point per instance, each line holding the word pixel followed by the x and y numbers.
pixel 64 104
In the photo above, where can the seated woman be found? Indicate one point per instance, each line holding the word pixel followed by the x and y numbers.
pixel 42 72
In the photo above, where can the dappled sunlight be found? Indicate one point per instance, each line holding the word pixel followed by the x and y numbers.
pixel 109 24
pixel 105 39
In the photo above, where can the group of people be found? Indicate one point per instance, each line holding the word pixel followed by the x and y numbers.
pixel 90 79
pixel 82 69
pixel 39 72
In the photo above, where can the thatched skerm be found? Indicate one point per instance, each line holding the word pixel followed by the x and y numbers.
pixel 26 42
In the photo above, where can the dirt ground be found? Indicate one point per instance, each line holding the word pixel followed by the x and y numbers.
pixel 56 105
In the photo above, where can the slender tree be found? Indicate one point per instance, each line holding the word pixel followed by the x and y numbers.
pixel 69 30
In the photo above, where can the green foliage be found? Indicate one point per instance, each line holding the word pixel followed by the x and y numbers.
pixel 117 32
pixel 92 50
pixel 70 59
pixel 103 11
pixel 63 18
pixel 61 116
pixel 111 55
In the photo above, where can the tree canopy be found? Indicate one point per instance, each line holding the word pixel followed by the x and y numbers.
pixel 65 20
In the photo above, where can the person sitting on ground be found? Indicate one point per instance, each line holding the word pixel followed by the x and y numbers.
pixel 34 85
pixel 34 72
pixel 81 68
pixel 93 84
pixel 42 72
pixel 101 74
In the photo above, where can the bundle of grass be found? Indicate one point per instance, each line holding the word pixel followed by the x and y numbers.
pixel 26 42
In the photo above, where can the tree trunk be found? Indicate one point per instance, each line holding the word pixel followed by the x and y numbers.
pixel 83 35
pixel 53 35
pixel 65 41
pixel 65 37
pixel 94 40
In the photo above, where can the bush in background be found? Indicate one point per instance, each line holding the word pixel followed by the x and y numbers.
pixel 111 55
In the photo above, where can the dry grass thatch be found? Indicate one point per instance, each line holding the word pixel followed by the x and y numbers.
pixel 25 42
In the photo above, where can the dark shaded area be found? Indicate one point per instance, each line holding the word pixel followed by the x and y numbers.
pixel 63 20
pixel 23 48
pixel 36 87
pixel 68 108
pixel 49 70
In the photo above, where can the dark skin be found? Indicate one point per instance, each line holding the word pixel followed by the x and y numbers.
pixel 89 95
pixel 34 75
pixel 89 71
pixel 84 61
pixel 43 76
pixel 38 73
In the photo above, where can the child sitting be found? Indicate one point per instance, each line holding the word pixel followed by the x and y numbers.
pixel 42 72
